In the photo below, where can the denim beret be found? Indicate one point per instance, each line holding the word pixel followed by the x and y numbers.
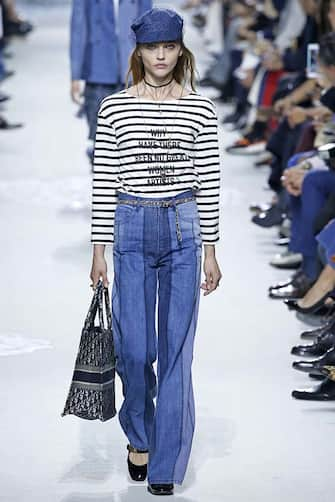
pixel 158 25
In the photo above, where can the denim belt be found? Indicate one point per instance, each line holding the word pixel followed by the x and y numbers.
pixel 161 203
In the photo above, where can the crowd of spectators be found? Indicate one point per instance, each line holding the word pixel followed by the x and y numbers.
pixel 11 25
pixel 277 67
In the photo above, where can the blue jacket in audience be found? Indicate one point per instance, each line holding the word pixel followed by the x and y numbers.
pixel 98 54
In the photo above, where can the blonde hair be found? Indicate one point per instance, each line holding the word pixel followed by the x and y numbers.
pixel 183 71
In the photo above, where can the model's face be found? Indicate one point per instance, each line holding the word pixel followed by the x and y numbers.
pixel 160 58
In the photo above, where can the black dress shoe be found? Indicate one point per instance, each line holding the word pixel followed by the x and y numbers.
pixel 293 289
pixel 321 330
pixel 317 349
pixel 316 376
pixel 290 292
pixel 314 366
pixel 294 280
pixel 325 391
pixel 161 489
pixel 137 472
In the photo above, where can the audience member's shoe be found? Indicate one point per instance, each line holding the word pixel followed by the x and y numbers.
pixel 317 318
pixel 5 125
pixel 268 219
pixel 7 74
pixel 285 228
pixel 295 279
pixel 329 326
pixel 20 28
pixel 282 241
pixel 293 305
pixel 316 376
pixel 161 489
pixel 136 472
pixel 246 146
pixel 4 97
pixel 325 391
pixel 316 349
pixel 260 208
pixel 287 260
pixel 314 366
pixel 294 289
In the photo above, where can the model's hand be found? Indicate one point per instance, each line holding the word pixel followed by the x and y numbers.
pixel 212 273
pixel 99 269
pixel 76 93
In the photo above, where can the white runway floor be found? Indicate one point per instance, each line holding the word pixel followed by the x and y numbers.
pixel 253 442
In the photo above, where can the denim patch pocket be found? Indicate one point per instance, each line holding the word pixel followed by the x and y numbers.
pixel 187 211
pixel 127 227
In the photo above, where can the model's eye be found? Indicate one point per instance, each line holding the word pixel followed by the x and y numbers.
pixel 171 46
pixel 151 46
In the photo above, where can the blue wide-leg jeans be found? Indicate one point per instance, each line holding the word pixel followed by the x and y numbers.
pixel 157 262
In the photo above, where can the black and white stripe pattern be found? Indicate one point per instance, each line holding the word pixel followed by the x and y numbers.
pixel 124 161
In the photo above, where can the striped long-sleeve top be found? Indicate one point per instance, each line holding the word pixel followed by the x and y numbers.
pixel 145 152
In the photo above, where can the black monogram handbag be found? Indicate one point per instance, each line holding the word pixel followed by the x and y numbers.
pixel 92 390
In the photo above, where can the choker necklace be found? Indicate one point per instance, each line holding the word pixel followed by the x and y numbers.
pixel 163 85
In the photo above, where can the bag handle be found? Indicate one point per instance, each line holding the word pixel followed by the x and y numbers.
pixel 104 294
pixel 89 321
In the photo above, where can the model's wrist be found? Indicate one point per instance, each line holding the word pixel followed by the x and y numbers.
pixel 209 250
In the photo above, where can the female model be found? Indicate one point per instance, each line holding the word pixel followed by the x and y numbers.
pixel 156 198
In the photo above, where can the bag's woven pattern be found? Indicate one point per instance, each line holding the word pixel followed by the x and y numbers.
pixel 92 390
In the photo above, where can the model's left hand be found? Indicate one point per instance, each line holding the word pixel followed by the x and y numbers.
pixel 212 273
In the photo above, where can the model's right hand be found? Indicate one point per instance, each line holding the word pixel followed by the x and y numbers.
pixel 76 92
pixel 99 270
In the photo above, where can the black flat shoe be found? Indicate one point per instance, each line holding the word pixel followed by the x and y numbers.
pixel 136 472
pixel 317 349
pixel 315 366
pixel 161 489
pixel 325 391
pixel 293 305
